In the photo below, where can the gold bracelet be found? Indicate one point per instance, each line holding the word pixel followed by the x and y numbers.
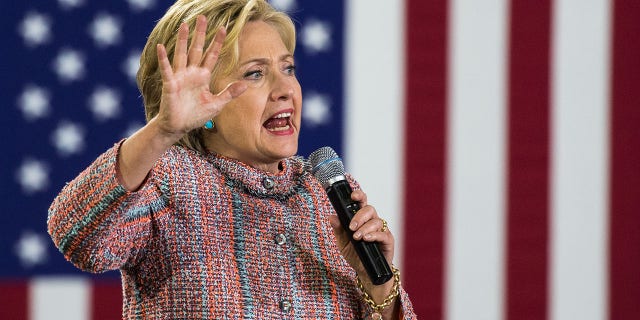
pixel 389 299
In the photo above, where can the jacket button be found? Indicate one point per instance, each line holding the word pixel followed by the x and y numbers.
pixel 281 239
pixel 268 183
pixel 285 305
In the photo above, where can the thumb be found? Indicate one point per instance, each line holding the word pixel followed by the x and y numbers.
pixel 232 90
pixel 334 222
pixel 341 236
pixel 216 102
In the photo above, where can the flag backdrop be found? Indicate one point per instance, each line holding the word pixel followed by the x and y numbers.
pixel 500 138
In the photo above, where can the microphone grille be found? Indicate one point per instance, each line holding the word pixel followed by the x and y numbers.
pixel 326 165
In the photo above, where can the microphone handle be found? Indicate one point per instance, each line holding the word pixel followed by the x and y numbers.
pixel 369 252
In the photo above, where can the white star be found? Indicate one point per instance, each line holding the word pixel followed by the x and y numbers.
pixel 31 249
pixel 132 64
pixel 132 128
pixel 140 5
pixel 35 29
pixel 105 30
pixel 70 4
pixel 104 103
pixel 34 102
pixel 283 5
pixel 68 138
pixel 69 65
pixel 316 110
pixel 316 36
pixel 33 176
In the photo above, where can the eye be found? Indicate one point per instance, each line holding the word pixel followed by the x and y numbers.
pixel 253 75
pixel 290 70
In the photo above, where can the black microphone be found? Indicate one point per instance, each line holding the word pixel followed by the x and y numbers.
pixel 327 167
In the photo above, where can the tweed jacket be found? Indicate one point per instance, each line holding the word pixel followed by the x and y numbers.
pixel 208 237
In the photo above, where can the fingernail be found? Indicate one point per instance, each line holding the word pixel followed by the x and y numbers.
pixel 353 225
pixel 357 235
pixel 368 236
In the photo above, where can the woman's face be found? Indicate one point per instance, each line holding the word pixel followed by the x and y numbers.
pixel 261 126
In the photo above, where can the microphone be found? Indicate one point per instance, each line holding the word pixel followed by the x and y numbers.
pixel 327 167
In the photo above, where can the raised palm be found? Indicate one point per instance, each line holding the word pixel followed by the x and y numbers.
pixel 187 102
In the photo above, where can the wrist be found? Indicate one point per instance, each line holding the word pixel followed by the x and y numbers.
pixel 380 298
pixel 139 153
pixel 162 136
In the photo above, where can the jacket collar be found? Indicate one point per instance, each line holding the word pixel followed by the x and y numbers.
pixel 258 182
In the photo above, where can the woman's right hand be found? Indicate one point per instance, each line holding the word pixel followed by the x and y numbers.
pixel 187 102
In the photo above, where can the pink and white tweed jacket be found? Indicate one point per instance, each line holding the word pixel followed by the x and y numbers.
pixel 207 237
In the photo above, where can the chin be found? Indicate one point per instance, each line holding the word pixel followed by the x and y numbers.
pixel 288 150
pixel 291 152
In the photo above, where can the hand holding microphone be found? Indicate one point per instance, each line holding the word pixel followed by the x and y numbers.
pixel 327 167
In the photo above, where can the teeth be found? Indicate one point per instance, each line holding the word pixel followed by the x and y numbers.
pixel 283 115
pixel 280 128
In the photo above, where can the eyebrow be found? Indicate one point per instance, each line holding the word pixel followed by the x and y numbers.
pixel 266 60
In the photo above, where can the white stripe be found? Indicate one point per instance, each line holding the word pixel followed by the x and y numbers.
pixel 59 298
pixel 580 143
pixel 374 100
pixel 475 235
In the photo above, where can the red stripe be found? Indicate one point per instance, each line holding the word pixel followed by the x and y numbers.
pixel 425 141
pixel 106 300
pixel 624 281
pixel 528 160
pixel 14 300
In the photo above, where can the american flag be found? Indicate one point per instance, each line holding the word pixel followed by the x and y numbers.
pixel 500 138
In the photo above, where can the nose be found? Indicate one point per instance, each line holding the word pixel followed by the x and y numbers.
pixel 282 88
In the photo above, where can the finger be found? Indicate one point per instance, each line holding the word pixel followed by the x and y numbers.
pixel 180 54
pixel 359 196
pixel 197 41
pixel 371 226
pixel 363 215
pixel 384 238
pixel 386 242
pixel 213 51
pixel 166 72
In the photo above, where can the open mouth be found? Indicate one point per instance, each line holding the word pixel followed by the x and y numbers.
pixel 279 122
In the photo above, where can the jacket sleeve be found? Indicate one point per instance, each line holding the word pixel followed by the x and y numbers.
pixel 407 307
pixel 97 224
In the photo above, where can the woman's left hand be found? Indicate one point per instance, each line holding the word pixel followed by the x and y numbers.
pixel 367 226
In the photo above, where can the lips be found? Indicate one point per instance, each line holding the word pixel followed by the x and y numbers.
pixel 279 122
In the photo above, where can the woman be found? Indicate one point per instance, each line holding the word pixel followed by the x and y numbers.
pixel 205 210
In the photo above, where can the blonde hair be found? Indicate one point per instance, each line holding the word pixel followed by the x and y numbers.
pixel 231 14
